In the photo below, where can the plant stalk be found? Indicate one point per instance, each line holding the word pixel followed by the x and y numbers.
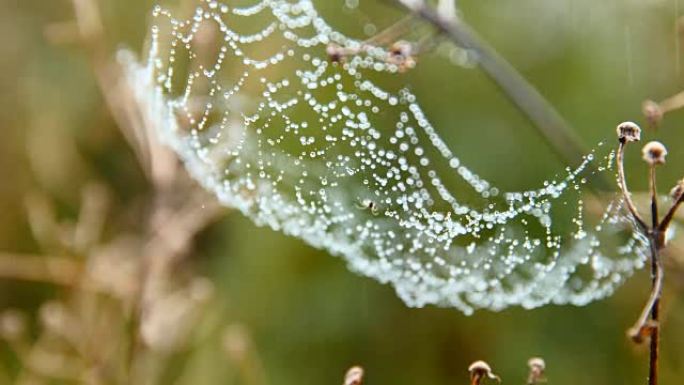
pixel 657 283
pixel 549 123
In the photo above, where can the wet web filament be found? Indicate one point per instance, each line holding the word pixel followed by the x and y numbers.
pixel 327 151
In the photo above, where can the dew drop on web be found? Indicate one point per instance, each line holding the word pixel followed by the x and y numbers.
pixel 328 151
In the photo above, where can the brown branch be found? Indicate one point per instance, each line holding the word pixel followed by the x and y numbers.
pixel 667 220
pixel 656 280
pixel 657 283
pixel 642 326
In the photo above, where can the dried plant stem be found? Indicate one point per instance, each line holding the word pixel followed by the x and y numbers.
pixel 623 186
pixel 657 284
pixel 654 197
pixel 550 124
pixel 672 103
pixel 648 323
pixel 642 325
pixel 665 223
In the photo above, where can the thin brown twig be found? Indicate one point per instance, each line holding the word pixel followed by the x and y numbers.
pixel 623 187
pixel 654 196
pixel 642 325
pixel 667 220
pixel 657 283
pixel 672 103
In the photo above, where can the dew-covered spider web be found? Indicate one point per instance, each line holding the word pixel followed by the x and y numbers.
pixel 306 130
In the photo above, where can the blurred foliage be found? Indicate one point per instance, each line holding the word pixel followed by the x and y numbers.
pixel 308 317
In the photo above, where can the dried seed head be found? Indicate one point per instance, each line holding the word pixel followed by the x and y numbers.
pixel 536 363
pixel 628 132
pixel 354 376
pixel 537 367
pixel 677 191
pixel 654 153
pixel 335 53
pixel 401 48
pixel 479 370
pixel 401 54
pixel 652 112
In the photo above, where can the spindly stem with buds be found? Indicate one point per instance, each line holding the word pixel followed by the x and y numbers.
pixel 479 372
pixel 654 154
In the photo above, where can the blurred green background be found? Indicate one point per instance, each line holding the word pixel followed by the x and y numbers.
pixel 310 318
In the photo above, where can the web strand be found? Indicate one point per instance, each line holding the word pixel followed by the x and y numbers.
pixel 326 151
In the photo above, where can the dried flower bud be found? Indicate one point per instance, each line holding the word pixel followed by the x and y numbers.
pixel 401 54
pixel 628 132
pixel 652 112
pixel 354 376
pixel 677 191
pixel 537 367
pixel 401 48
pixel 479 370
pixel 654 153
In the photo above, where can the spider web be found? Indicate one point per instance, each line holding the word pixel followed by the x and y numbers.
pixel 332 152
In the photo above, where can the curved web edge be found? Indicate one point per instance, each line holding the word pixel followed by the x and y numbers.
pixel 416 289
